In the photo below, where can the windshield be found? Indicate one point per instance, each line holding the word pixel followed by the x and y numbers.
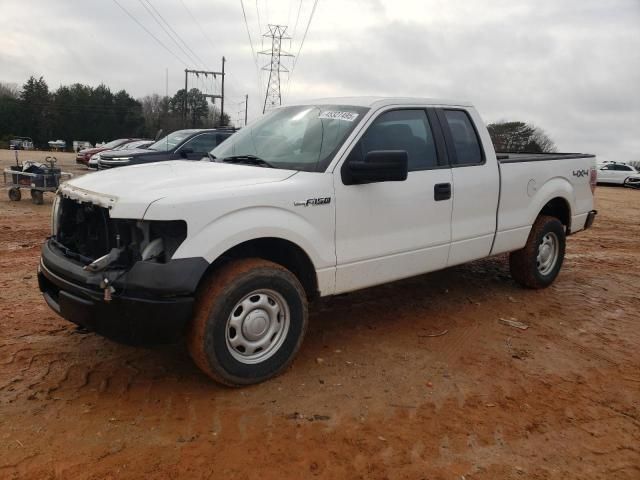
pixel 304 137
pixel 170 142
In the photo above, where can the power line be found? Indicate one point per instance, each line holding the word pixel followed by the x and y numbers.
pixel 246 24
pixel 149 32
pixel 295 28
pixel 295 60
pixel 193 17
pixel 253 52
pixel 175 33
pixel 258 11
pixel 191 59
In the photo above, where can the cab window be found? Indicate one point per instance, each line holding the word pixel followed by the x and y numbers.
pixel 407 130
pixel 466 144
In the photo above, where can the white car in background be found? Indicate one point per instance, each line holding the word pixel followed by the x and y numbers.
pixel 618 173
pixel 93 161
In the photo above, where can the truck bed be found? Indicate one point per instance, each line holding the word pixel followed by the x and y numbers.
pixel 506 157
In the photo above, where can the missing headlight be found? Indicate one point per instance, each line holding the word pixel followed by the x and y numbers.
pixel 160 239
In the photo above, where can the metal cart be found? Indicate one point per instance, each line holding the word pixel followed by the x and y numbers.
pixel 37 177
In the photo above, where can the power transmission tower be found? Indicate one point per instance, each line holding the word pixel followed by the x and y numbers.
pixel 273 97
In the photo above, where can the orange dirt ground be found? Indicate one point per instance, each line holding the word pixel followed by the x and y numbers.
pixel 372 395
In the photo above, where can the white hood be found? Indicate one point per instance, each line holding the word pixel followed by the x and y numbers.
pixel 137 186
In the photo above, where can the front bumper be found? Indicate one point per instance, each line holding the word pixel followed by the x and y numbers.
pixel 152 303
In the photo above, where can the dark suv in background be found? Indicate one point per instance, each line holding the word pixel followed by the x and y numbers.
pixel 180 145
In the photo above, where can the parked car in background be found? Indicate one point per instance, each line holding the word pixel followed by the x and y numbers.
pixel 57 145
pixel 190 144
pixel 632 181
pixel 617 173
pixel 21 143
pixel 81 145
pixel 84 156
pixel 138 144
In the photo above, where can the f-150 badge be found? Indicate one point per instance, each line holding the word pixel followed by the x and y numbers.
pixel 312 202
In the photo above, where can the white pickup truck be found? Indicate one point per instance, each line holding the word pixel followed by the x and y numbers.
pixel 310 200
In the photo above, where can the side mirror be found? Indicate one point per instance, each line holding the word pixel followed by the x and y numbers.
pixel 159 134
pixel 378 166
pixel 185 152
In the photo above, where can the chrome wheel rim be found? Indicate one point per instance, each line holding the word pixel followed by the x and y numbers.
pixel 257 326
pixel 548 251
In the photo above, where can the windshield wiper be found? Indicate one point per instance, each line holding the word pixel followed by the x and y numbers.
pixel 248 159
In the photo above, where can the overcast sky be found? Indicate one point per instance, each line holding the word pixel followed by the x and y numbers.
pixel 571 67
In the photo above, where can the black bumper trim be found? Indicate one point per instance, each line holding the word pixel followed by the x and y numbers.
pixel 175 278
pixel 125 318
pixel 590 218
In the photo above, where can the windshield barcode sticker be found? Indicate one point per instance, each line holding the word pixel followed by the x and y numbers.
pixel 334 115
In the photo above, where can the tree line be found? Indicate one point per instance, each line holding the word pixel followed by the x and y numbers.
pixel 81 112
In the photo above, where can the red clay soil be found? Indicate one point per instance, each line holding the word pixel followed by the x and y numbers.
pixel 416 379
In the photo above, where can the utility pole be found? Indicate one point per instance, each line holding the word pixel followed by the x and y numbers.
pixel 222 99
pixel 273 97
pixel 206 73
pixel 246 108
pixel 184 105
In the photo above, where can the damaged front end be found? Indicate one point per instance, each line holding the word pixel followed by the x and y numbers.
pixel 117 276
pixel 85 232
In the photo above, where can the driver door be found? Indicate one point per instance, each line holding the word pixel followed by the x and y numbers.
pixel 395 229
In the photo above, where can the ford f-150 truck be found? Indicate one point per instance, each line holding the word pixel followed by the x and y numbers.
pixel 310 200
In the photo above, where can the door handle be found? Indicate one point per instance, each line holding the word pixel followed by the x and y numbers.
pixel 441 191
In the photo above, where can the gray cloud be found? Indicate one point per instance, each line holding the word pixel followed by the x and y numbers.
pixel 572 67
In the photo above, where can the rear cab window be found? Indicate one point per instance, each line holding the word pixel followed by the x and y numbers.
pixel 461 137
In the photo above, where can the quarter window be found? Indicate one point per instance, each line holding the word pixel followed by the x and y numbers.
pixel 465 140
pixel 407 130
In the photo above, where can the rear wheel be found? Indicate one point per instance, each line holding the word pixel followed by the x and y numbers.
pixel 537 265
pixel 14 194
pixel 37 197
pixel 250 319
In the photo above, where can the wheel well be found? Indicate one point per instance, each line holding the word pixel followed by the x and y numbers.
pixel 276 250
pixel 559 208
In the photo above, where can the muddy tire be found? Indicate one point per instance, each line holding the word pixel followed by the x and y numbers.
pixel 537 265
pixel 14 194
pixel 249 321
pixel 37 197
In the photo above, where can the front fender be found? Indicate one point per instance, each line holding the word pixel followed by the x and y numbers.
pixel 238 226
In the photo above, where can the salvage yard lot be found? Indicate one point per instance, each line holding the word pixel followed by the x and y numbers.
pixel 416 379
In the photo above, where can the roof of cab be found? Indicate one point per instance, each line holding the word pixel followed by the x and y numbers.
pixel 378 102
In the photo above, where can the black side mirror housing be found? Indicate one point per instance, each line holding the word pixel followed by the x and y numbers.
pixel 378 166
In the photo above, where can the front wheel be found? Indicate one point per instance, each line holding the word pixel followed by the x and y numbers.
pixel 249 322
pixel 537 265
